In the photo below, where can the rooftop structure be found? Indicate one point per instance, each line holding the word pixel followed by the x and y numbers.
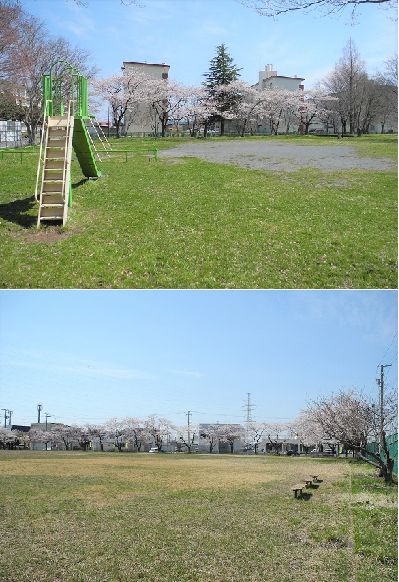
pixel 270 78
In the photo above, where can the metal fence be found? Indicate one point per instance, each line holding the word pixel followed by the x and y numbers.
pixel 10 134
pixel 392 443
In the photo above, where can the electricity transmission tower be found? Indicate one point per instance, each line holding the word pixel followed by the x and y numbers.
pixel 248 406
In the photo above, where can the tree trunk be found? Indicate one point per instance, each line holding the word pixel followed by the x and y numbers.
pixel 222 127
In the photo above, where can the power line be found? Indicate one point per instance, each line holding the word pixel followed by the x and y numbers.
pixel 390 345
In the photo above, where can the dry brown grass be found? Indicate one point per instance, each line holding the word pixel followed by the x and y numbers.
pixel 99 517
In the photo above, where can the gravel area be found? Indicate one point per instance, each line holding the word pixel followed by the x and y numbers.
pixel 268 155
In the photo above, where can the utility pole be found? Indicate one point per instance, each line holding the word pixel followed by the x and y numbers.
pixel 380 382
pixel 9 416
pixel 39 409
pixel 188 429
pixel 47 416
pixel 5 416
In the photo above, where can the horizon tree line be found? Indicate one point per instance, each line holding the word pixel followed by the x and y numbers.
pixel 349 419
pixel 347 95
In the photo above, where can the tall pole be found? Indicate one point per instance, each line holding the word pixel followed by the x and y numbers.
pixel 5 416
pixel 188 427
pixel 381 383
pixel 39 408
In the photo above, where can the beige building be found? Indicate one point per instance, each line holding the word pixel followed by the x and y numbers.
pixel 142 119
pixel 269 79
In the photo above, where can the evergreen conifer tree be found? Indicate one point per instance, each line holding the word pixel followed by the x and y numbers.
pixel 222 71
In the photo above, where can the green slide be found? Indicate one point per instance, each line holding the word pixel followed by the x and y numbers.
pixel 83 149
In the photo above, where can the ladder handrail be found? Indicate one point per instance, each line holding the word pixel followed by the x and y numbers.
pixel 65 170
pixel 41 146
pixel 92 142
pixel 99 137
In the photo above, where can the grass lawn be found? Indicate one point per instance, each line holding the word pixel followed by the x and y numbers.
pixel 114 517
pixel 195 224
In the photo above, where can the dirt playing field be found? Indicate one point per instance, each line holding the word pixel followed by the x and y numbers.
pixel 278 156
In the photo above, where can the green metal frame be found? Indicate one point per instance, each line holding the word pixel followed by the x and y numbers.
pixel 52 91
pixel 53 104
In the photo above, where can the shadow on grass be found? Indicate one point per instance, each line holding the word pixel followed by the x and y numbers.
pixel 306 496
pixel 17 211
pixel 80 183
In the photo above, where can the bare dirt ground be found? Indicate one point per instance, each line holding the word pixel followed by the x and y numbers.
pixel 267 155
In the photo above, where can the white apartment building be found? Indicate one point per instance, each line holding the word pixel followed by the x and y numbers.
pixel 269 79
pixel 141 120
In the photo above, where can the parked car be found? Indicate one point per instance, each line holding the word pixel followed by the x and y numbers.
pixel 153 450
pixel 293 453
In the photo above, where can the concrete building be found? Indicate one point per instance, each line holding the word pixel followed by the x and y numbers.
pixel 141 120
pixel 269 79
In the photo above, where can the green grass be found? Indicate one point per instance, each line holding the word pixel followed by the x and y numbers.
pixel 195 224
pixel 110 517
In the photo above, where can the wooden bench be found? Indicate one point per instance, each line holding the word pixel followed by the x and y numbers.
pixel 297 488
pixel 308 482
pixel 314 478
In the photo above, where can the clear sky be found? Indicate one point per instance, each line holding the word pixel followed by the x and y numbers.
pixel 185 33
pixel 94 355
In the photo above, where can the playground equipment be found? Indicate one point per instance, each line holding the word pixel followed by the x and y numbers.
pixel 64 128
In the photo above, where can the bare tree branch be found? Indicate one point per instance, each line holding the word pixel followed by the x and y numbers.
pixel 272 8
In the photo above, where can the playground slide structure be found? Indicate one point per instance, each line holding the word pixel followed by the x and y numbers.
pixel 64 128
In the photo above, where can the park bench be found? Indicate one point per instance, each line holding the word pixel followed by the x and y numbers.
pixel 315 478
pixel 297 488
pixel 308 482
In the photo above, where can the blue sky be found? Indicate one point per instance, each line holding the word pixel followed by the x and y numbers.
pixel 185 33
pixel 93 355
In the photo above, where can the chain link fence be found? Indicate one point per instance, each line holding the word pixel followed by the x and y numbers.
pixel 10 134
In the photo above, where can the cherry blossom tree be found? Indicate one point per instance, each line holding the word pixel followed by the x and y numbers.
pixel 40 436
pixel 187 435
pixel 8 438
pixel 158 429
pixel 167 99
pixel 136 431
pixel 255 432
pixel 125 95
pixel 311 105
pixel 353 419
pixel 116 430
pixel 65 434
pixel 196 111
pixel 211 434
pixel 275 104
pixel 245 105
pixel 276 433
pixel 230 434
